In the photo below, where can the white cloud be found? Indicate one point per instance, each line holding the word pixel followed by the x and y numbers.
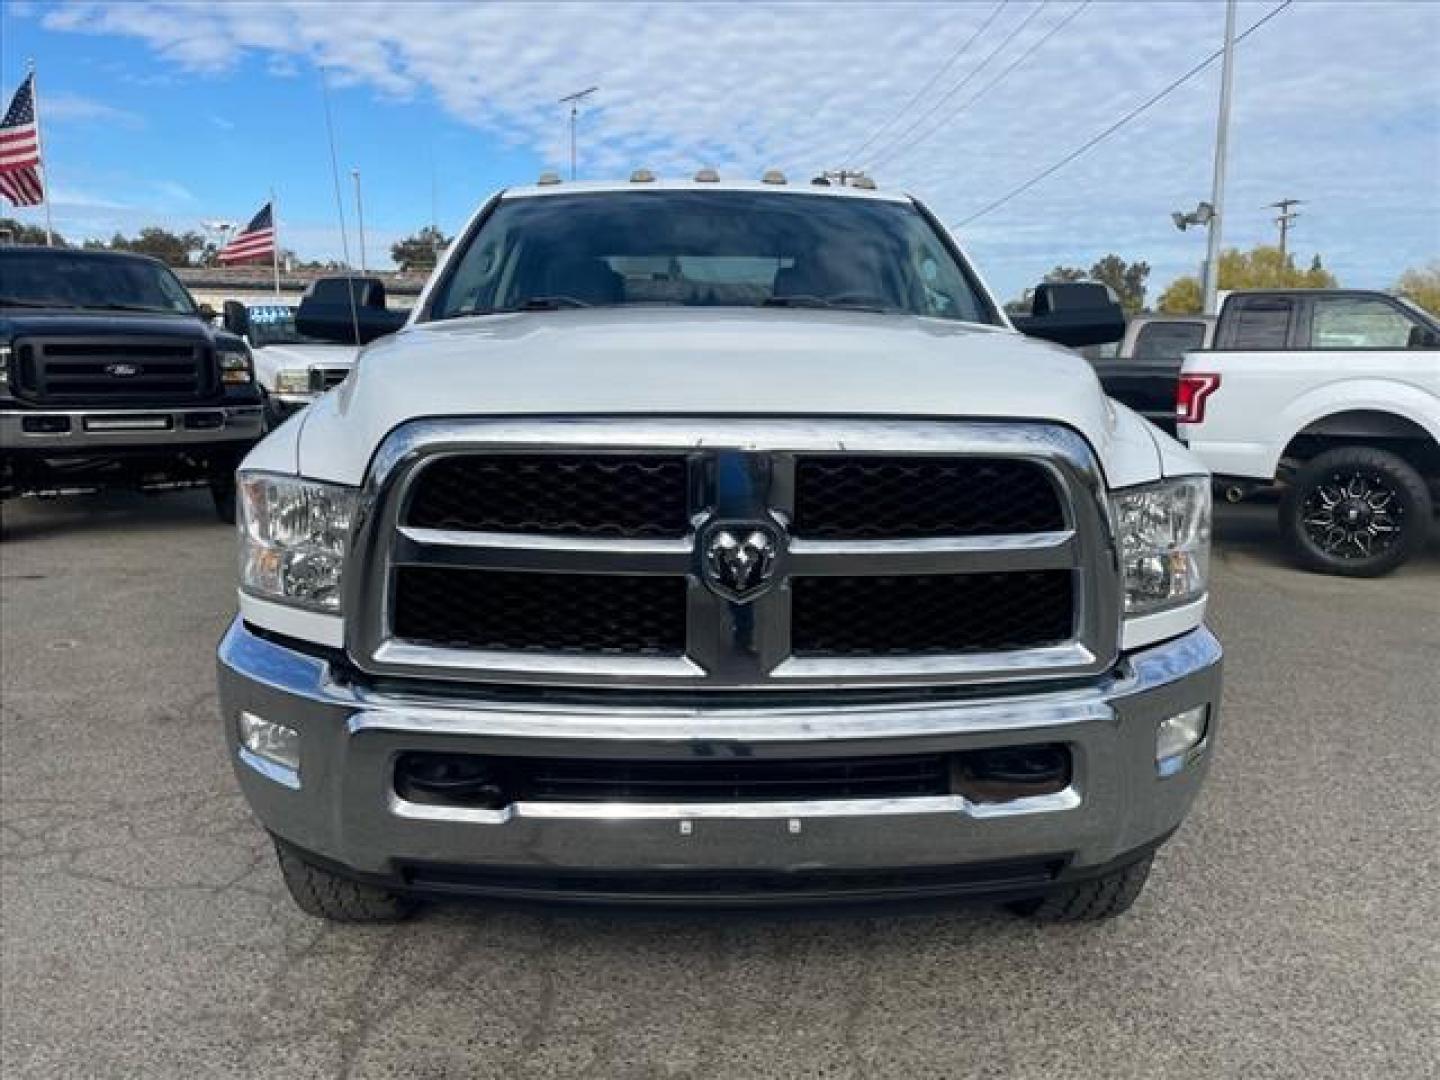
pixel 1336 104
pixel 66 108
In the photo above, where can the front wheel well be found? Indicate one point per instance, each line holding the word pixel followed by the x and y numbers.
pixel 1364 427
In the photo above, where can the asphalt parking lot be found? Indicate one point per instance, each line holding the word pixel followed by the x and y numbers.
pixel 1289 929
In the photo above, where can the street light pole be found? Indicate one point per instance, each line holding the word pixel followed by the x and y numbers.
pixel 360 217
pixel 574 102
pixel 1217 189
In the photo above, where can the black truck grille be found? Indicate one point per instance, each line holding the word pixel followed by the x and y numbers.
pixel 591 495
pixel 866 498
pixel 111 371
pixel 615 614
pixel 931 614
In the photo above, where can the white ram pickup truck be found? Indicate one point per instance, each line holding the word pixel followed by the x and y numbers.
pixel 1334 393
pixel 719 543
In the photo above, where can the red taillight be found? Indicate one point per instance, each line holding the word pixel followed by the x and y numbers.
pixel 1191 395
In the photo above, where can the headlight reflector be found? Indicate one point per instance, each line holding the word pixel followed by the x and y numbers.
pixel 1164 535
pixel 234 365
pixel 293 382
pixel 294 535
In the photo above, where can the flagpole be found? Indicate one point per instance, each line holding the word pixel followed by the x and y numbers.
pixel 44 161
pixel 275 241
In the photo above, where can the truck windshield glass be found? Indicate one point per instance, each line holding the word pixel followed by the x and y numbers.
pixel 708 249
pixel 107 283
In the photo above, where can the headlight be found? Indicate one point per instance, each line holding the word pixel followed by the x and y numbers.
pixel 292 382
pixel 1164 535
pixel 235 365
pixel 294 535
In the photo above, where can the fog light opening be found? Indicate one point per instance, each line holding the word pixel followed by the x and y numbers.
pixel 271 742
pixel 1178 738
pixel 1006 773
pixel 450 780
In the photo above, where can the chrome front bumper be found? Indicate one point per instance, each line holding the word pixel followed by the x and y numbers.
pixel 108 429
pixel 342 808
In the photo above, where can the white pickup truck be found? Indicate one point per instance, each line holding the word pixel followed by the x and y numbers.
pixel 719 543
pixel 1334 393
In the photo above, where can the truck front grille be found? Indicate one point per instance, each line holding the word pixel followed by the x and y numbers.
pixel 583 553
pixel 604 614
pixel 594 495
pixel 874 497
pixel 930 614
pixel 110 371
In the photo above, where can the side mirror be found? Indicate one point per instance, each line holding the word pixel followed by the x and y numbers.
pixel 339 322
pixel 206 312
pixel 236 318
pixel 1073 313
pixel 1422 337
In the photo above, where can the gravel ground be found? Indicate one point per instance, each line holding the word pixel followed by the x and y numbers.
pixel 1288 930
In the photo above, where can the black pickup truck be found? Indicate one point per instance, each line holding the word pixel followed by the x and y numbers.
pixel 110 375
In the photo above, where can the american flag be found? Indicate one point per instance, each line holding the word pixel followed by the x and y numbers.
pixel 256 241
pixel 20 149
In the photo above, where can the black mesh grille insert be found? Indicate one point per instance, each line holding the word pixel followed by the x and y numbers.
pixel 539 612
pixel 568 780
pixel 113 371
pixel 856 498
pixel 590 495
pixel 930 614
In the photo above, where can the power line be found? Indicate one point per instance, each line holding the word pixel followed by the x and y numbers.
pixel 900 152
pixel 1124 119
pixel 939 102
pixel 956 55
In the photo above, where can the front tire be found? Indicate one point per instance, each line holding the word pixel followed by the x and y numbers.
pixel 326 895
pixel 1355 511
pixel 1090 901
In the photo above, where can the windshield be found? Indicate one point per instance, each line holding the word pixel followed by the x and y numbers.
pixel 708 249
pixel 48 279
pixel 274 324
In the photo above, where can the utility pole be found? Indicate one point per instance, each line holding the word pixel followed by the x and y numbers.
pixel 1285 220
pixel 574 102
pixel 1217 189
pixel 360 217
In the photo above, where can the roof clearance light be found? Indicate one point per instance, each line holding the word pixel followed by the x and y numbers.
pixel 707 176
pixel 548 178
pixel 864 183
pixel 773 176
pixel 642 176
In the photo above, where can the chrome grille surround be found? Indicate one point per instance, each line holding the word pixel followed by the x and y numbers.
pixel 732 646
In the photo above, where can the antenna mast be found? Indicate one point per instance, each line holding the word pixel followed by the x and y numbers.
pixel 573 100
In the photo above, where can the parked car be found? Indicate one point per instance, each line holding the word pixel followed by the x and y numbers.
pixel 1146 369
pixel 1334 394
pixel 291 368
pixel 719 543
pixel 110 376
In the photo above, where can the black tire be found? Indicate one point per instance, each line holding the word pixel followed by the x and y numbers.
pixel 222 493
pixel 1355 511
pixel 1090 901
pixel 326 895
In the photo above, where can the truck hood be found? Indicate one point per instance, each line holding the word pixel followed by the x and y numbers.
pixel 20 322
pixel 285 357
pixel 711 362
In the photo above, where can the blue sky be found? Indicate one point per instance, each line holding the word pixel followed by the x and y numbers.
pixel 175 113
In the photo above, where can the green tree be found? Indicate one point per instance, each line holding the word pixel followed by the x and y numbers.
pixel 17 232
pixel 1263 267
pixel 173 249
pixel 419 252
pixel 1066 274
pixel 1421 284
pixel 1126 281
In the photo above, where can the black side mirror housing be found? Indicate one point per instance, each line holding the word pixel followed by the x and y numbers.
pixel 1074 313
pixel 1422 337
pixel 206 312
pixel 236 318
pixel 347 311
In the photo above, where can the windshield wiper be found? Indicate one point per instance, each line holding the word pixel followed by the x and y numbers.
pixel 537 303
pixel 16 301
pixel 821 302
